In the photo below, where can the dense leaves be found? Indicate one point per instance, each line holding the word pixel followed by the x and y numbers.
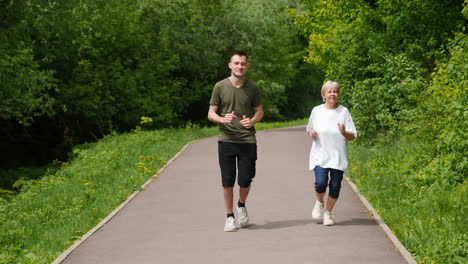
pixel 73 71
pixel 25 92
pixel 381 52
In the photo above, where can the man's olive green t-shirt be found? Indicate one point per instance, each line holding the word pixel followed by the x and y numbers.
pixel 242 101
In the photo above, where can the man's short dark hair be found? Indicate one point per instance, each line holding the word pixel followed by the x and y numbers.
pixel 240 53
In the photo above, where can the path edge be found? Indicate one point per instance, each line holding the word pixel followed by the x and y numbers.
pixel 75 245
pixel 396 242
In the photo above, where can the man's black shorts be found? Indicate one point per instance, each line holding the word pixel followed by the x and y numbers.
pixel 245 154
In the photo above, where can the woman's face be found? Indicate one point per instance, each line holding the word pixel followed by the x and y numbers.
pixel 331 95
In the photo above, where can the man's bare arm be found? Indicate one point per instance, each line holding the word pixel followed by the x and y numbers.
pixel 215 118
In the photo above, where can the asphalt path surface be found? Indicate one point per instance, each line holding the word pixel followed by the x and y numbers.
pixel 179 217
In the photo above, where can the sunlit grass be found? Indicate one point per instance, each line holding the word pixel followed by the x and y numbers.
pixel 425 210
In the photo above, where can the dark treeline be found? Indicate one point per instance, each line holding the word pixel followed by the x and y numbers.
pixel 74 71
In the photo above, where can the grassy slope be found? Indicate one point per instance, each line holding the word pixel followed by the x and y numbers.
pixel 429 214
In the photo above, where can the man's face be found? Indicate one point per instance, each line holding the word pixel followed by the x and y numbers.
pixel 238 65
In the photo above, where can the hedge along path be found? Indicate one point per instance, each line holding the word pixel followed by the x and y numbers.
pixel 179 217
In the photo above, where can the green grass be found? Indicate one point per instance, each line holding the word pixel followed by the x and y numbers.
pixel 12 179
pixel 415 193
pixel 51 213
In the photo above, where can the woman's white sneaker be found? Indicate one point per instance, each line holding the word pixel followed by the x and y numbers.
pixel 230 225
pixel 327 219
pixel 318 210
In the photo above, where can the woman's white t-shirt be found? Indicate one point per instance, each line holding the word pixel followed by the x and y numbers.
pixel 329 148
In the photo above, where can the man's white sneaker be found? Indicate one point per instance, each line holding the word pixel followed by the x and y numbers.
pixel 243 216
pixel 230 225
pixel 318 210
pixel 327 219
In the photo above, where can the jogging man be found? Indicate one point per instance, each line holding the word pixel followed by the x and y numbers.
pixel 236 106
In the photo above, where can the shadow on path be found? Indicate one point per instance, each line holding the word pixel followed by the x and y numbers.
pixel 303 222
pixel 357 222
pixel 280 224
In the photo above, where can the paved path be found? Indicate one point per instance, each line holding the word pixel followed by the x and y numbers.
pixel 180 216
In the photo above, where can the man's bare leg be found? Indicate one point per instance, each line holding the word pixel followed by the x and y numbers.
pixel 228 198
pixel 243 193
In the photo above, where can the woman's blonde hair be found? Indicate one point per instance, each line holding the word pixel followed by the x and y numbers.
pixel 327 85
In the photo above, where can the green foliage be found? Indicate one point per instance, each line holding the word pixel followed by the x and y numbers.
pixel 380 53
pixel 82 69
pixel 444 112
pixel 16 177
pixel 144 122
pixel 383 102
pixel 25 88
pixel 118 68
